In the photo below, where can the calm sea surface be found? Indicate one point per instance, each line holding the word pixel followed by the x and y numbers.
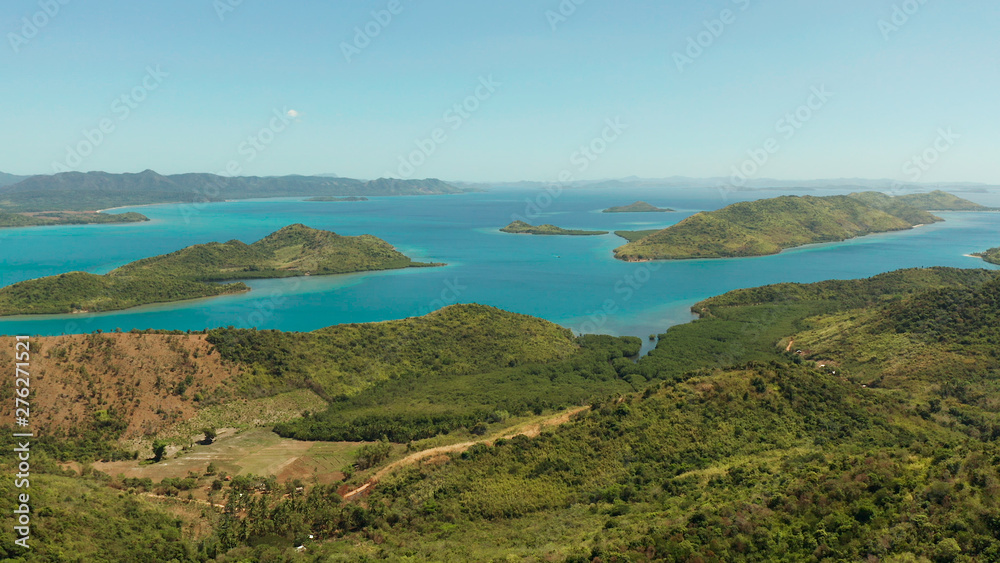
pixel 573 281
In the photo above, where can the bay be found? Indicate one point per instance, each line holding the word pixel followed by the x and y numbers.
pixel 573 281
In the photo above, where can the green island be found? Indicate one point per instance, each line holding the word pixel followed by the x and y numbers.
pixel 191 273
pixel 780 426
pixel 522 228
pixel 992 255
pixel 638 207
pixel 67 218
pixel 335 198
pixel 938 200
pixel 764 227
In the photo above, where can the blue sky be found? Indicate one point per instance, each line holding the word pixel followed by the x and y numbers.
pixel 555 84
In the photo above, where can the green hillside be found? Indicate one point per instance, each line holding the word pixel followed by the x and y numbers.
pixel 846 420
pixel 419 377
pixel 633 236
pixel 760 228
pixel 522 228
pixel 791 458
pixel 295 250
pixel 941 201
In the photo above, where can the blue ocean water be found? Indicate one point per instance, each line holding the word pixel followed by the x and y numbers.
pixel 573 281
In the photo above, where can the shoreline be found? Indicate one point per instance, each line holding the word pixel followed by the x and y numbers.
pixel 132 206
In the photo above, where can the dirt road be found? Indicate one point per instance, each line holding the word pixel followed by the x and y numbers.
pixel 530 430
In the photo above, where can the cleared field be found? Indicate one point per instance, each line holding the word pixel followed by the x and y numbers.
pixel 258 451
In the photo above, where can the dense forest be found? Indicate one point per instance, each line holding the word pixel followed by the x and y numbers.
pixel 847 420
pixel 189 273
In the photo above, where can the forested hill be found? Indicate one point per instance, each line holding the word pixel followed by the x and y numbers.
pixel 295 250
pixel 865 437
pixel 763 227
pixel 8 179
pixel 78 191
pixel 941 201
pixel 846 420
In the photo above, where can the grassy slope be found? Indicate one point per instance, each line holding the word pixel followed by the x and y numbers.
pixel 633 236
pixel 764 227
pixel 941 201
pixel 84 520
pixel 522 228
pixel 293 251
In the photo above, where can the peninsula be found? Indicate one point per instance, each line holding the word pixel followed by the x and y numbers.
pixel 764 227
pixel 522 228
pixel 189 273
pixel 942 201
pixel 992 255
pixel 67 218
pixel 638 207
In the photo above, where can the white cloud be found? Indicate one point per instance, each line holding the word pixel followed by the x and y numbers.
pixel 292 113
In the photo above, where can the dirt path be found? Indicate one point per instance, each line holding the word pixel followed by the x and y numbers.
pixel 789 347
pixel 530 430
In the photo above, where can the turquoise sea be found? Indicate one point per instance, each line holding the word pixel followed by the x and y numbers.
pixel 573 281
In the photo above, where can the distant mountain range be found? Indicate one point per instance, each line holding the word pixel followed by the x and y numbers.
pixel 89 191
pixel 79 191
pixel 858 184
pixel 8 179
